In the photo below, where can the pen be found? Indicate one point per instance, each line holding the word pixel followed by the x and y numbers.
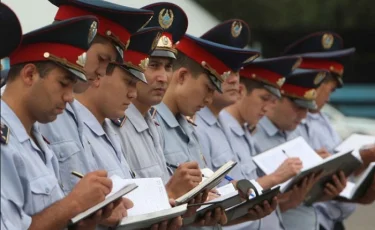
pixel 77 174
pixel 228 178
pixel 285 153
pixel 172 166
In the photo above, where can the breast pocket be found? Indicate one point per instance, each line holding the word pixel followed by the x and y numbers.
pixel 176 158
pixel 248 167
pixel 68 154
pixel 149 171
pixel 45 191
pixel 221 157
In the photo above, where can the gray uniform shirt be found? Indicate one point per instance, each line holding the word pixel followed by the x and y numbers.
pixel 29 173
pixel 142 145
pixel 268 136
pixel 319 133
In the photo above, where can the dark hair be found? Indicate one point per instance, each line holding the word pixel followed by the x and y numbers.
pixel 43 67
pixel 330 77
pixel 184 61
pixel 251 84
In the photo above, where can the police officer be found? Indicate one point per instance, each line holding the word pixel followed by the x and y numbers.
pixel 278 126
pixel 43 71
pixel 66 134
pixel 259 87
pixel 138 129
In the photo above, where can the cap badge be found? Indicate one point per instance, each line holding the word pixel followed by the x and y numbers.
pixel 319 78
pixel 82 59
pixel 310 95
pixel 156 40
pixel 166 18
pixel 281 81
pixel 92 31
pixel 327 41
pixel 236 28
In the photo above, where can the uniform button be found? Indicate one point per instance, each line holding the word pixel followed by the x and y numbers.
pixel 47 190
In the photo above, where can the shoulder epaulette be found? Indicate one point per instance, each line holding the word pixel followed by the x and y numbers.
pixel 152 112
pixel 4 134
pixel 119 121
pixel 190 120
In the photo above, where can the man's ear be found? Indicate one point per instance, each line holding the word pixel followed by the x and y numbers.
pixel 242 91
pixel 181 75
pixel 96 82
pixel 29 74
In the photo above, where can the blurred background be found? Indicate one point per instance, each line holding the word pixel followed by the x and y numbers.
pixel 274 25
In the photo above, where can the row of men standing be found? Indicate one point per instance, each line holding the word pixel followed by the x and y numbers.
pixel 159 75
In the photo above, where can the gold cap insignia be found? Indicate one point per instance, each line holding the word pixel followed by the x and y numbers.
pixel 310 95
pixel 144 63
pixel 156 41
pixel 319 78
pixel 82 59
pixel 92 31
pixel 281 81
pixel 127 44
pixel 297 64
pixel 252 58
pixel 225 75
pixel 164 41
pixel 166 18
pixel 327 41
pixel 236 28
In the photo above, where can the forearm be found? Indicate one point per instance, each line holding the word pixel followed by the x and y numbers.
pixel 268 181
pixel 56 216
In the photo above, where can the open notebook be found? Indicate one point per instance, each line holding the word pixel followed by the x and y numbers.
pixel 355 142
pixel 119 189
pixel 361 183
pixel 270 160
pixel 208 183
pixel 151 205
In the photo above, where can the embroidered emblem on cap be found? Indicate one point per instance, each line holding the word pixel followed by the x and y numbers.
pixel 166 18
pixel 82 59
pixel 236 28
pixel 327 41
pixel 310 95
pixel 319 78
pixel 127 44
pixel 144 63
pixel 297 64
pixel 92 31
pixel 156 41
pixel 4 134
pixel 164 41
pixel 281 81
pixel 252 58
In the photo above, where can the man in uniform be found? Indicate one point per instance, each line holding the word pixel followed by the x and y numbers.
pixel 66 135
pixel 329 55
pixel 278 126
pixel 197 73
pixel 137 129
pixel 211 131
pixel 43 72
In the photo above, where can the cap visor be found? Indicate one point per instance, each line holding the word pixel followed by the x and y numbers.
pixel 273 90
pixel 215 82
pixel 329 54
pixel 163 53
pixel 305 103
pixel 134 73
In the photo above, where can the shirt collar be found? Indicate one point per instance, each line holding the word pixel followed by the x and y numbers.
pixel 89 119
pixel 314 116
pixel 166 114
pixel 207 116
pixel 136 118
pixel 232 123
pixel 13 122
pixel 268 126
